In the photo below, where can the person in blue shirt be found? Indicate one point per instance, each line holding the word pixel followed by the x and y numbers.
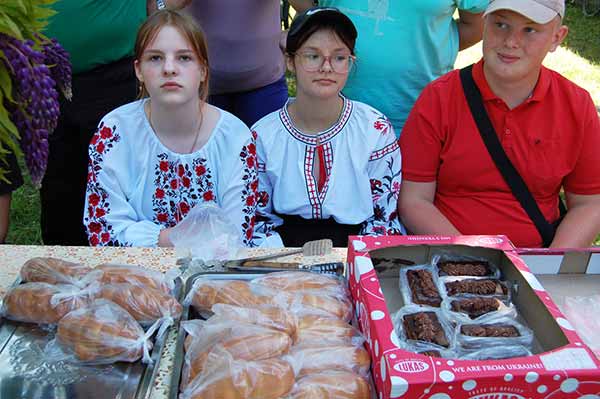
pixel 404 45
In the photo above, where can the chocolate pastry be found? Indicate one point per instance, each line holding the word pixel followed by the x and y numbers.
pixel 490 330
pixel 475 307
pixel 477 287
pixel 465 268
pixel 422 288
pixel 430 353
pixel 425 326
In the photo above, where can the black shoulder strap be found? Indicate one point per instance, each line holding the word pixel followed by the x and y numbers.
pixel 506 168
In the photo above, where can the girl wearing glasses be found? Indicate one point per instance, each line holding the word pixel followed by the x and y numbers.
pixel 328 167
pixel 153 160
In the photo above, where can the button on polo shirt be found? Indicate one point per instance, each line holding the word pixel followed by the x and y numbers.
pixel 552 138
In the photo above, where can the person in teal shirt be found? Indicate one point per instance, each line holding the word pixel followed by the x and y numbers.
pixel 404 45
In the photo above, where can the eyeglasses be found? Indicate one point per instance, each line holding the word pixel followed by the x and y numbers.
pixel 313 61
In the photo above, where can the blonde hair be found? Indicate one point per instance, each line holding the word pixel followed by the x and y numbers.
pixel 186 25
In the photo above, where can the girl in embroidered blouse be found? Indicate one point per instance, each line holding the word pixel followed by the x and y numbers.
pixel 328 167
pixel 154 159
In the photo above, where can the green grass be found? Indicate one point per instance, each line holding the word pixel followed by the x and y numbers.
pixel 578 59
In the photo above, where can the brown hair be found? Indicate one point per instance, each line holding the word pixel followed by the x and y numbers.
pixel 186 25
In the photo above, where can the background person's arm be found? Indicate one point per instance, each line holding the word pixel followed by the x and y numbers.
pixel 172 4
pixel 419 214
pixel 581 224
pixel 302 5
pixel 470 29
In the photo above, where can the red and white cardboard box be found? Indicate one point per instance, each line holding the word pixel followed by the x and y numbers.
pixel 563 367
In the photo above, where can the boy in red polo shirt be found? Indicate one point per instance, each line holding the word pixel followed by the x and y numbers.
pixel 547 125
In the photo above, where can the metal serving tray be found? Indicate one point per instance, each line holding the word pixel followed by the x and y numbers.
pixel 189 314
pixel 25 374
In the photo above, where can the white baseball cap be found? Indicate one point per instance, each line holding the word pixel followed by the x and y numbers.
pixel 539 11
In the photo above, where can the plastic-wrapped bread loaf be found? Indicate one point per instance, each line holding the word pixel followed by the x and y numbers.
pixel 145 304
pixel 303 281
pixel 267 316
pixel 205 293
pixel 333 384
pixel 117 274
pixel 101 333
pixel 227 379
pixel 315 358
pixel 337 306
pixel 53 271
pixel 42 303
pixel 317 327
pixel 241 341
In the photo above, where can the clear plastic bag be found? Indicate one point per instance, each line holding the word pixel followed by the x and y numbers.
pixel 268 316
pixel 43 303
pixel 102 333
pixel 476 309
pixel 423 325
pixel 145 304
pixel 53 271
pixel 418 286
pixel 495 353
pixel 226 378
pixel 579 311
pixel 207 292
pixel 427 349
pixel 331 384
pixel 315 357
pixel 292 281
pixel 317 327
pixel 245 342
pixel 117 274
pixel 466 286
pixel 452 264
pixel 206 233
pixel 470 335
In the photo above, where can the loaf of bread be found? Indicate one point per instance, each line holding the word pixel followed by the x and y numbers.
pixel 145 304
pixel 314 328
pixel 42 303
pixel 53 271
pixel 333 384
pixel 117 274
pixel 207 293
pixel 267 316
pixel 101 333
pixel 337 306
pixel 242 342
pixel 263 379
pixel 302 281
pixel 315 359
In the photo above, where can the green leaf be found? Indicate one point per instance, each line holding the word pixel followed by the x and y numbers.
pixel 9 27
pixel 5 83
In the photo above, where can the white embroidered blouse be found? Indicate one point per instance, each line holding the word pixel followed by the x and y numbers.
pixel 362 171
pixel 137 186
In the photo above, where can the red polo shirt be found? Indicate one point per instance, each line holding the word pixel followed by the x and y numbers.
pixel 553 139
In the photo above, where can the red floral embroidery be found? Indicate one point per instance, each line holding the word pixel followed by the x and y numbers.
pixel 95 227
pixel 383 124
pixel 179 187
pixel 105 133
pixel 208 196
pixel 249 194
pixel 93 199
pixel 99 231
pixel 200 170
